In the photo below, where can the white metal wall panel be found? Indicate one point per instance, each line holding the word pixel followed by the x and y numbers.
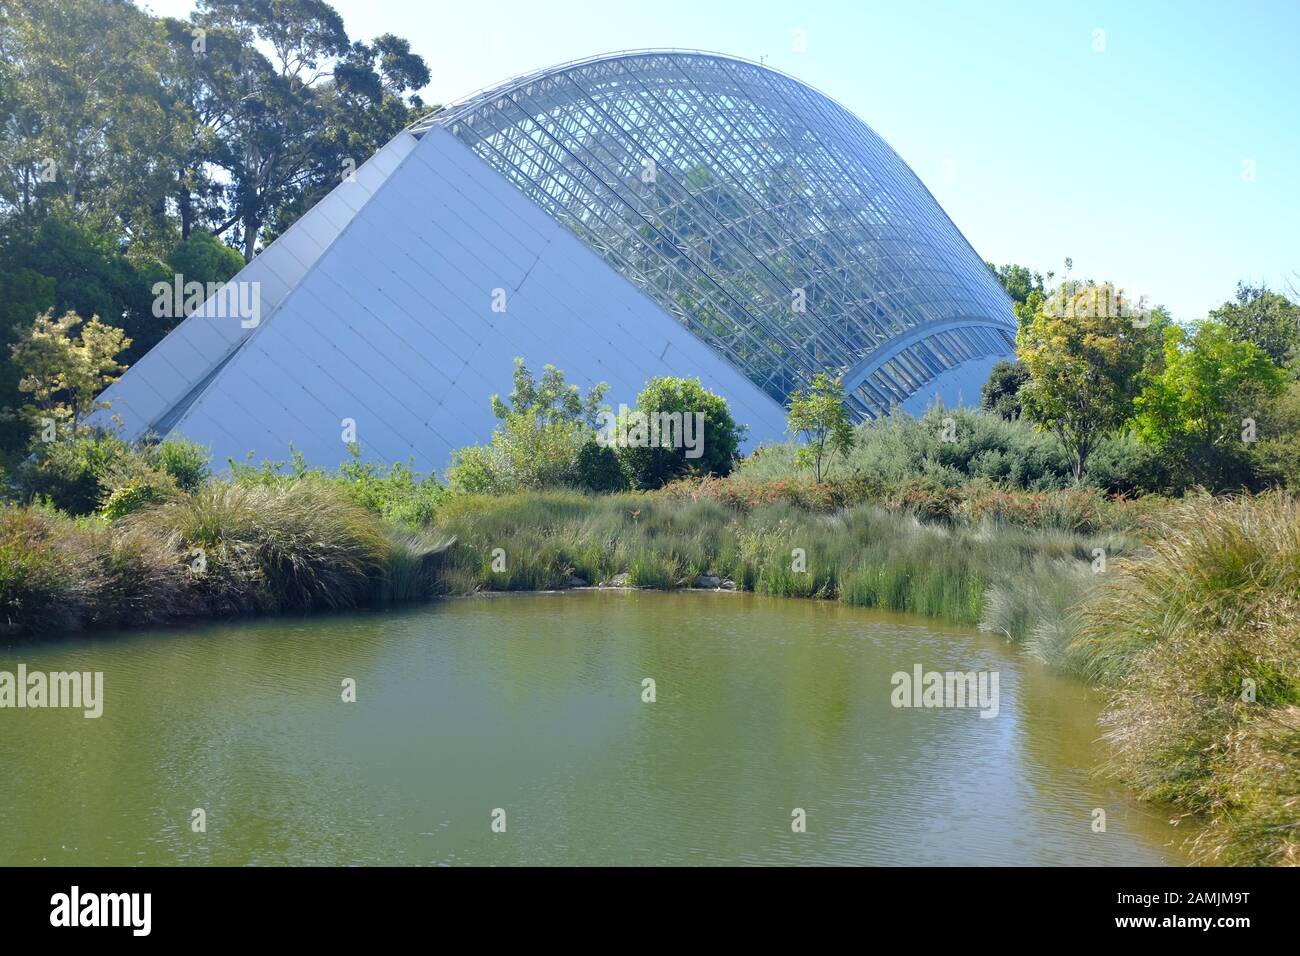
pixel 393 327
pixel 187 354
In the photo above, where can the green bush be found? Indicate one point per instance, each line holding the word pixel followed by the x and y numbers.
pixel 185 461
pixel 652 466
pixel 1276 456
pixel 1121 464
pixel 131 483
pixel 948 447
pixel 67 472
pixel 598 470
pixel 95 468
pixel 527 453
pixel 397 493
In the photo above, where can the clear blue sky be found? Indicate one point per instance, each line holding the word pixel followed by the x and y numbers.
pixel 1130 160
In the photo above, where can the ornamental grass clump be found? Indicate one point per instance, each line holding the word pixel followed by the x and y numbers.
pixel 268 548
pixel 1200 638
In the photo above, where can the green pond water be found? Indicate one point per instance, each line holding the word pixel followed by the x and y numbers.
pixel 532 705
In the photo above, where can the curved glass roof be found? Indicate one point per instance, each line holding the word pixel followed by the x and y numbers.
pixel 765 217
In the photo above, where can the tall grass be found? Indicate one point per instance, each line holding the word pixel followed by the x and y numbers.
pixel 225 549
pixel 1187 634
pixel 867 555
pixel 412 569
pixel 1036 607
pixel 274 548
pixel 44 572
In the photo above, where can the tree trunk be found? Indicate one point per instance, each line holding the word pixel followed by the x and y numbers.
pixel 251 226
pixel 186 206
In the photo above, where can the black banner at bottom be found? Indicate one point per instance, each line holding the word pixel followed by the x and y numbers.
pixel 338 905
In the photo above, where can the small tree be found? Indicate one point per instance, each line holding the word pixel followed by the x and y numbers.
pixel 1086 353
pixel 651 464
pixel 64 373
pixel 818 414
pixel 550 399
pixel 542 441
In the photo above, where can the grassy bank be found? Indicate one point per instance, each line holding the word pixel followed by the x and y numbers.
pixel 1198 637
pixel 223 550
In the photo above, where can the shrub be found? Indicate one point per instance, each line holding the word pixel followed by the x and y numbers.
pixel 903 448
pixel 80 474
pixel 130 483
pixel 929 498
pixel 185 461
pixel 652 467
pixel 397 493
pixel 1121 464
pixel 527 453
pixel 67 472
pixel 1276 456
pixel 598 470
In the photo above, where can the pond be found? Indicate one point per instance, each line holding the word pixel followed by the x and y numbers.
pixel 513 729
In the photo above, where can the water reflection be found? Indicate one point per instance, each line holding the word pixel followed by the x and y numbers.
pixel 533 704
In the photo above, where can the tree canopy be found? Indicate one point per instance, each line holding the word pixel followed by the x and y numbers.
pixel 1268 320
pixel 1087 362
pixel 133 147
pixel 1205 405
